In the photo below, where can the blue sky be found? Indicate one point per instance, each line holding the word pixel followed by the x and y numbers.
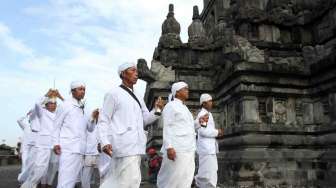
pixel 66 40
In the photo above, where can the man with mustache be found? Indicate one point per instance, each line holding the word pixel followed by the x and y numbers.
pixel 126 114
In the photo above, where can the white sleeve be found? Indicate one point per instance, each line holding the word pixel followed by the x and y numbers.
pixel 91 124
pixel 208 132
pixel 168 116
pixel 105 116
pixel 38 107
pixel 196 121
pixel 148 117
pixel 22 124
pixel 58 123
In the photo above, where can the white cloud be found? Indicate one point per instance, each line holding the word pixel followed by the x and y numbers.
pixel 91 37
pixel 13 43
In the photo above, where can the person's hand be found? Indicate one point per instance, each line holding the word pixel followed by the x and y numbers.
pixel 204 119
pixel 57 94
pixel 171 154
pixel 159 103
pixel 57 149
pixel 220 132
pixel 95 115
pixel 49 93
pixel 29 113
pixel 108 149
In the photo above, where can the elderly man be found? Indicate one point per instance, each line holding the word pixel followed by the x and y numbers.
pixel 126 114
pixel 45 112
pixel 207 146
pixel 69 136
pixel 179 141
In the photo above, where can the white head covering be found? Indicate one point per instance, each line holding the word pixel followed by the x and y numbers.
pixel 125 66
pixel 176 87
pixel 76 84
pixel 49 100
pixel 52 100
pixel 205 97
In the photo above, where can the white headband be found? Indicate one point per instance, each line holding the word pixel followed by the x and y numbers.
pixel 176 87
pixel 205 97
pixel 49 100
pixel 125 66
pixel 76 84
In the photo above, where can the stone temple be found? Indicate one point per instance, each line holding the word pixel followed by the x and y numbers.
pixel 270 65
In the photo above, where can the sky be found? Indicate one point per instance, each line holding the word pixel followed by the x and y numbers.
pixel 43 42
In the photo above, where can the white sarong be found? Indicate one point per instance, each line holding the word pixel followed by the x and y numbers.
pixel 125 172
pixel 207 171
pixel 178 173
pixel 70 166
pixel 27 159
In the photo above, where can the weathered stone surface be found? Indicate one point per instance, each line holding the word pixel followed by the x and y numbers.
pixel 269 33
pixel 332 108
pixel 144 72
pixel 162 73
pixel 196 31
pixel 170 36
pixel 270 66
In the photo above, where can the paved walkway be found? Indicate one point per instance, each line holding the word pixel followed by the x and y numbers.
pixel 8 177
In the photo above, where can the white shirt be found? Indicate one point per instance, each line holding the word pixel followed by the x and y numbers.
pixel 178 127
pixel 71 124
pixel 206 141
pixel 92 143
pixel 28 136
pixel 122 116
pixel 46 128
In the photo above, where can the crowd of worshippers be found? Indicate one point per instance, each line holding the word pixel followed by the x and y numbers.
pixel 65 138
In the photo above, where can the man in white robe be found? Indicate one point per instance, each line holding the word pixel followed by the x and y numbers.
pixel 27 145
pixel 179 141
pixel 45 112
pixel 126 114
pixel 69 138
pixel 90 158
pixel 207 146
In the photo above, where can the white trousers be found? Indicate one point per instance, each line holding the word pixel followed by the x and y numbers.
pixel 178 173
pixel 124 173
pixel 70 166
pixel 90 162
pixel 207 171
pixel 27 159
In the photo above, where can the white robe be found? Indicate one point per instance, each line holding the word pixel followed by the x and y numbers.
pixel 28 142
pixel 43 146
pixel 122 116
pixel 71 125
pixel 178 133
pixel 207 148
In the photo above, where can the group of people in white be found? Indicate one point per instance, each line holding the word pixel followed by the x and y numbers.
pixel 71 141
